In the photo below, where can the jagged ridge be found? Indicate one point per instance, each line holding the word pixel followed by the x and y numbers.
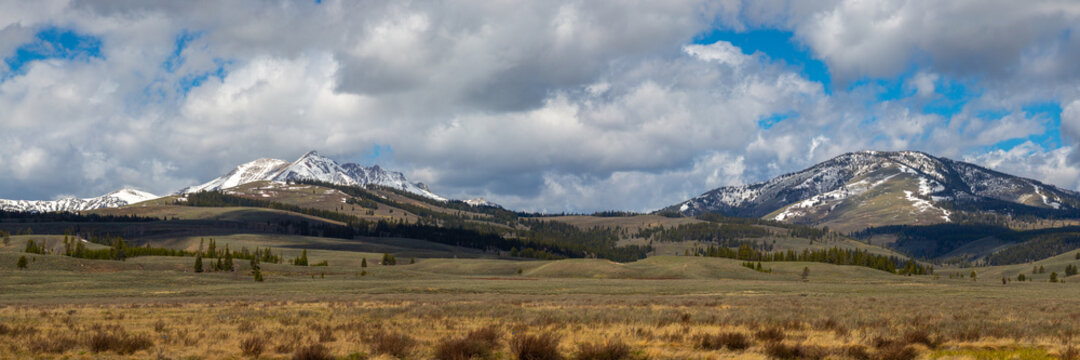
pixel 313 166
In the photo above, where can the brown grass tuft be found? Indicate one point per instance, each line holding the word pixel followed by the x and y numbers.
pixel 118 341
pixel 253 346
pixel 612 350
pixel 535 347
pixel 52 343
pixel 921 336
pixel 392 343
pixel 479 344
pixel 312 352
pixel 731 341
pixel 772 334
pixel 896 351
pixel 778 350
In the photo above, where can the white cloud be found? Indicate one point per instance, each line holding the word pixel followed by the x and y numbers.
pixel 545 105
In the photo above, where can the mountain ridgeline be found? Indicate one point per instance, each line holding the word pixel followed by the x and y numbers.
pixel 872 188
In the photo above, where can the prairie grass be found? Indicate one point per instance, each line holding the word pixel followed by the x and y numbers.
pixel 480 326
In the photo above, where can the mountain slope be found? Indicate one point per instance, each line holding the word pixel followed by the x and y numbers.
pixel 114 199
pixel 312 166
pixel 245 173
pixel 905 187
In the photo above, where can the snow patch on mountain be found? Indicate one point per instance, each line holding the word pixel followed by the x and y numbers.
pixel 481 202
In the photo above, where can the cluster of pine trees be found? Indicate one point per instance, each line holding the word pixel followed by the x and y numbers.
pixel 835 256
pixel 1070 270
pixel 721 233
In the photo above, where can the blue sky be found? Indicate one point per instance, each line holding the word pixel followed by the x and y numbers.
pixel 550 106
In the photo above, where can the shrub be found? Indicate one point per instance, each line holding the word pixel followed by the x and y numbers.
pixel 391 343
pixel 896 351
pixel 52 343
pixel 857 352
pixel 253 346
pixel 535 347
pixel 612 350
pixel 326 333
pixel 778 350
pixel 22 262
pixel 312 352
pixel 159 326
pixel 921 336
pixel 118 341
pixel 479 343
pixel 772 334
pixel 731 341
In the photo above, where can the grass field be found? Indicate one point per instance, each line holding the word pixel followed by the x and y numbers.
pixel 662 307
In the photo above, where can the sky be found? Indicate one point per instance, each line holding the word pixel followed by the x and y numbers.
pixel 553 105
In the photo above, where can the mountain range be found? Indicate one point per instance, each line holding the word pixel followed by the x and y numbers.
pixel 313 166
pixel 849 192
pixel 310 166
pixel 117 198
pixel 882 188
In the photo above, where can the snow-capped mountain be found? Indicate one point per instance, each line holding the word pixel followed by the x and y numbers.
pixel 313 166
pixel 481 202
pixel 257 170
pixel 117 198
pixel 883 187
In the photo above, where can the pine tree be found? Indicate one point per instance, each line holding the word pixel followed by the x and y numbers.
pixel 118 248
pixel 1053 277
pixel 7 241
pixel 412 261
pixel 388 259
pixel 363 262
pixel 1021 277
pixel 198 263
pixel 228 260
pixel 805 273
pixel 219 266
pixel 256 272
pixel 22 262
pixel 1042 270
pixel 973 275
pixel 302 260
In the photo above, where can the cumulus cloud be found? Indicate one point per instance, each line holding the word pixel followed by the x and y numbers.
pixel 555 105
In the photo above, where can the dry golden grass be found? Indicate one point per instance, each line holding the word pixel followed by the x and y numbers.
pixel 443 326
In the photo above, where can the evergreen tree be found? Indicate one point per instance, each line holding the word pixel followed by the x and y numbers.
pixel 198 263
pixel 1042 270
pixel 412 261
pixel 228 259
pixel 1021 277
pixel 7 241
pixel 805 273
pixel 22 262
pixel 1053 277
pixel 256 272
pixel 302 260
pixel 388 259
pixel 220 265
pixel 118 249
pixel 363 262
pixel 973 275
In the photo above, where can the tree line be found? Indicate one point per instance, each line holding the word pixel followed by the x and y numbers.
pixel 835 256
